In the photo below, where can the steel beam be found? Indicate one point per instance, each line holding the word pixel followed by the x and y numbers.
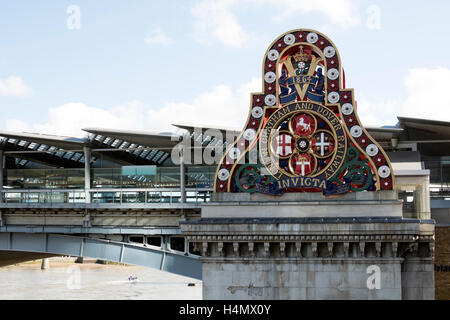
pixel 87 173
pixel 55 244
pixel 182 177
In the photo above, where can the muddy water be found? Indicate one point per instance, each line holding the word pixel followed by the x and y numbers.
pixel 66 280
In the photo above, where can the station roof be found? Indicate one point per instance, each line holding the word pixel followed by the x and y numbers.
pixel 123 147
pixel 147 139
pixel 131 147
pixel 46 139
pixel 50 150
pixel 126 147
pixel 191 127
pixel 384 133
pixel 432 137
pixel 424 129
pixel 210 136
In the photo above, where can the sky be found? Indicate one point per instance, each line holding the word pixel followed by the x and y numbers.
pixel 144 65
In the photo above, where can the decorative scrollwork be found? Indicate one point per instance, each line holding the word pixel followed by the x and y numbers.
pixel 354 171
pixel 248 175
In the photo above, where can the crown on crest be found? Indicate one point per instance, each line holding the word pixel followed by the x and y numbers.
pixel 301 56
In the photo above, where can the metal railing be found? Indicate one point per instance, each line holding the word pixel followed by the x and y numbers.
pixel 439 191
pixel 43 196
pixel 106 195
pixel 153 195
pixel 74 178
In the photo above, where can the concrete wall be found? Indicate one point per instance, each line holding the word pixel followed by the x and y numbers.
pixel 417 279
pixel 300 205
pixel 303 279
pixel 441 215
pixel 95 217
pixel 363 208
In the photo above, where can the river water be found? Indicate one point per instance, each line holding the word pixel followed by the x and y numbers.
pixel 93 281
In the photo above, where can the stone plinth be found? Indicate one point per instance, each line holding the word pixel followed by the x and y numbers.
pixel 297 205
pixel 307 256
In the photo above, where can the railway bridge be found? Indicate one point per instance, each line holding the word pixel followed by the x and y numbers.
pixel 118 195
pixel 132 233
pixel 114 195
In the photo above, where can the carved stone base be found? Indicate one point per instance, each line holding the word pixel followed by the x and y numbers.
pixel 315 258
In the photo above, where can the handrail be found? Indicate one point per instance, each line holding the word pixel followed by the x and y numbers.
pixel 102 190
pixel 105 195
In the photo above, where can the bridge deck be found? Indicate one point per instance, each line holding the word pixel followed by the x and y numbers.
pixel 56 244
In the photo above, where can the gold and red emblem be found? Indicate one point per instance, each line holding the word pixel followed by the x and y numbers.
pixel 305 123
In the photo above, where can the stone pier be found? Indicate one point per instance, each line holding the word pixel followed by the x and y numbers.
pixel 354 247
pixel 45 264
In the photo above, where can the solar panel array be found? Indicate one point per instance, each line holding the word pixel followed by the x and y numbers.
pixel 24 145
pixel 140 151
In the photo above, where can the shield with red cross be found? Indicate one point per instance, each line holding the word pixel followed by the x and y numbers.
pixel 283 144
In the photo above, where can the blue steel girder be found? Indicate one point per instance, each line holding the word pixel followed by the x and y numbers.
pixel 122 252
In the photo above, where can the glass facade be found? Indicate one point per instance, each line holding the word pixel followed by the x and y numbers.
pixel 121 177
pixel 101 195
pixel 163 177
pixel 439 178
pixel 128 184
pixel 411 203
pixel 151 184
pixel 44 178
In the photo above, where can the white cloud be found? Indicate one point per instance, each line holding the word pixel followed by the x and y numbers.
pixel 377 113
pixel 14 86
pixel 426 98
pixel 427 94
pixel 222 106
pixel 71 117
pixel 158 37
pixel 225 106
pixel 217 19
pixel 341 13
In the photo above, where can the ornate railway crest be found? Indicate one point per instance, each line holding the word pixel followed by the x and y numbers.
pixel 299 139
pixel 303 132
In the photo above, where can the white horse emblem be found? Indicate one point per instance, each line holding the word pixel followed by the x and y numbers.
pixel 305 126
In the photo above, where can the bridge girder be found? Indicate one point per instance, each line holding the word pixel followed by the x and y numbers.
pixel 78 246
